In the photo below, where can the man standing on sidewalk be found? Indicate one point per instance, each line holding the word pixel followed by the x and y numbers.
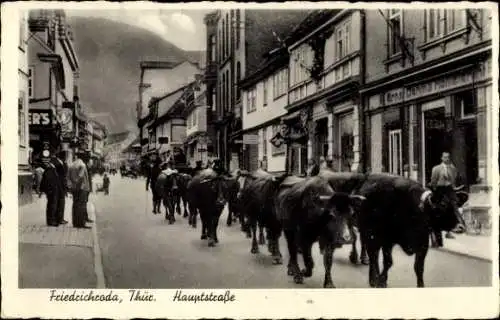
pixel 50 185
pixel 443 181
pixel 62 170
pixel 79 184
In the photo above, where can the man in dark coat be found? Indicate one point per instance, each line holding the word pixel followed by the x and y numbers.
pixel 197 168
pixel 51 186
pixel 154 172
pixel 62 171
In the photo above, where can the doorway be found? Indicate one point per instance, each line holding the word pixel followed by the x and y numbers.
pixel 435 139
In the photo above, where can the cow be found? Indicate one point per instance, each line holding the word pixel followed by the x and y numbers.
pixel 167 187
pixel 347 182
pixel 399 211
pixel 181 196
pixel 309 210
pixel 233 190
pixel 257 208
pixel 207 194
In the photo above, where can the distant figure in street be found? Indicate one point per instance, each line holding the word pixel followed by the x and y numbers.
pixel 322 163
pixel 443 179
pixel 105 183
pixel 38 177
pixel 79 184
pixel 62 171
pixel 154 172
pixel 51 186
pixel 312 168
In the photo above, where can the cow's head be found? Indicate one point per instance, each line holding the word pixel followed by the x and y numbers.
pixel 441 207
pixel 342 207
pixel 172 182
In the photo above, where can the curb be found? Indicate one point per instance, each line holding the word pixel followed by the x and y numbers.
pixel 98 267
pixel 463 254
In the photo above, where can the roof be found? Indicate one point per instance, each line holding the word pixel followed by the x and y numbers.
pixel 275 60
pixel 159 64
pixel 313 20
pixel 166 103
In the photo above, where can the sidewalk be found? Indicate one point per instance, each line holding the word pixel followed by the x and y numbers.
pixel 56 257
pixel 472 246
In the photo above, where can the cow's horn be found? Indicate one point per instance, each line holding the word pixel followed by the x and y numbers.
pixel 357 196
pixel 426 196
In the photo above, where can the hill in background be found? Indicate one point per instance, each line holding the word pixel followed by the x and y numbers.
pixel 109 53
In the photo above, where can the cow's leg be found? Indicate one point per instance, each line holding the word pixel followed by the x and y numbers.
pixel 171 205
pixel 327 263
pixel 308 260
pixel 262 239
pixel 419 266
pixel 177 204
pixel 353 256
pixel 185 205
pixel 373 249
pixel 203 226
pixel 387 255
pixel 212 237
pixel 216 226
pixel 229 221
pixel 293 266
pixel 255 246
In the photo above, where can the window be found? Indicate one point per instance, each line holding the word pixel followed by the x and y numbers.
pixel 228 91
pixel 223 49
pixel 22 119
pixel 212 49
pixel 227 34
pixel 302 58
pixel 264 143
pixel 395 31
pixel 441 22
pixel 238 30
pixel 219 46
pixel 251 96
pixel 281 149
pixel 223 92
pixel 343 42
pixel 31 71
pixel 395 152
pixel 238 78
pixel 265 92
pixel 346 139
pixel 466 103
pixel 280 83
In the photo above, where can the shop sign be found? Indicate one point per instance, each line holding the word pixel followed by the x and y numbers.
pixel 40 119
pixel 250 139
pixel 65 117
pixel 444 83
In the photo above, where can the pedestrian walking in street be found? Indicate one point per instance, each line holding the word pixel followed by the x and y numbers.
pixel 105 183
pixel 154 172
pixel 88 164
pixel 51 186
pixel 62 171
pixel 443 179
pixel 79 184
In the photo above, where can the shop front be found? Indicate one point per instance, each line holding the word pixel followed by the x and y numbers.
pixel 414 124
pixel 44 131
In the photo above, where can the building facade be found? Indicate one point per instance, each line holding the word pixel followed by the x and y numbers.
pixel 428 90
pixel 25 179
pixel 237 39
pixel 53 90
pixel 158 78
pixel 264 103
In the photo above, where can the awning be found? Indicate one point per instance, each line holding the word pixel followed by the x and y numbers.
pixel 291 117
pixel 56 61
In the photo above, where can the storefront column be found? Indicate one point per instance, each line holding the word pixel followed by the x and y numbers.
pixel 355 132
pixel 411 134
pixel 483 130
pixel 330 137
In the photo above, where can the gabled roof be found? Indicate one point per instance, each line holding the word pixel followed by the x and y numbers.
pixel 166 103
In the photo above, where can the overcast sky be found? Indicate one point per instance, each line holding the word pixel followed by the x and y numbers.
pixel 183 28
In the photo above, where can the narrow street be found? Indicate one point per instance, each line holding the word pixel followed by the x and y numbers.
pixel 141 250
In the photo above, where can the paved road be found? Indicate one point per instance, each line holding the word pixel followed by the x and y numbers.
pixel 141 250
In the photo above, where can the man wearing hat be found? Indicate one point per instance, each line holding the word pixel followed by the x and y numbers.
pixel 51 186
pixel 62 170
pixel 79 183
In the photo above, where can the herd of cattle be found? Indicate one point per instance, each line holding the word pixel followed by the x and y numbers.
pixel 326 208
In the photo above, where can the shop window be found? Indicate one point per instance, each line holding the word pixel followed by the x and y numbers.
pixel 395 31
pixel 466 104
pixel 395 152
pixel 277 150
pixel 346 139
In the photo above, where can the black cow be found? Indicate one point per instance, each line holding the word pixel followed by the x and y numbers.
pixel 257 208
pixel 207 195
pixel 181 196
pixel 309 210
pixel 399 211
pixel 233 190
pixel 167 186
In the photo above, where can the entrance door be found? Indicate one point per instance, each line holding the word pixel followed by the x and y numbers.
pixel 434 138
pixel 471 161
